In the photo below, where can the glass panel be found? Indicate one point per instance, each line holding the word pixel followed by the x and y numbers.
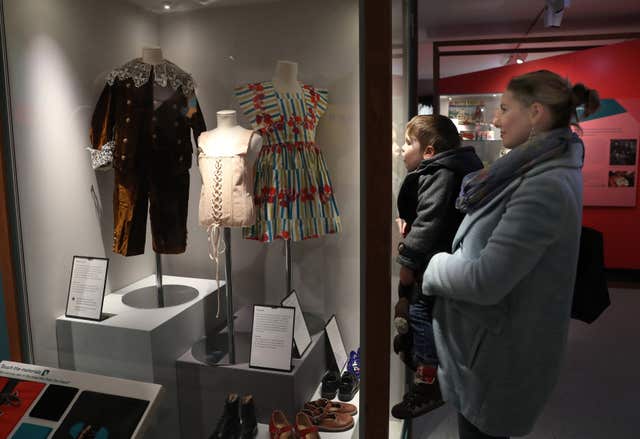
pixel 171 93
pixel 400 102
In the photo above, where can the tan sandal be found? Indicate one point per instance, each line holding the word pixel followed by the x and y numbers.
pixel 329 421
pixel 334 406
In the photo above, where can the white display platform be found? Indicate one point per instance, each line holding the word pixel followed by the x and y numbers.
pixel 83 381
pixel 142 344
pixel 263 429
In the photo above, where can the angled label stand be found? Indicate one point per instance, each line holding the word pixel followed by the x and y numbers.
pixel 301 335
pixel 338 359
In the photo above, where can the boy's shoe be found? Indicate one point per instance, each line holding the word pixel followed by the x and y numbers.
pixel 228 426
pixel 248 422
pixel 349 386
pixel 421 399
pixel 330 384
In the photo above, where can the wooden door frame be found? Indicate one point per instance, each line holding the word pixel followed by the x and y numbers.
pixel 375 220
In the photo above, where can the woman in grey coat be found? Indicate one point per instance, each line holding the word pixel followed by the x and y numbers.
pixel 502 321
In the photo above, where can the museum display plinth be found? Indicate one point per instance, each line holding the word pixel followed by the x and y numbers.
pixel 203 385
pixel 142 344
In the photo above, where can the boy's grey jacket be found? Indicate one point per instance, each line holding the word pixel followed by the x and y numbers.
pixel 426 201
pixel 501 325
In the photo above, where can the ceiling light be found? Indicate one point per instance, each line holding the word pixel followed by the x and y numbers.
pixel 167 6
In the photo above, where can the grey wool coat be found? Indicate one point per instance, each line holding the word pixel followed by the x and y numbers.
pixel 502 317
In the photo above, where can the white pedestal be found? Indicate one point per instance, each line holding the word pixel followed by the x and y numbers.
pixel 83 381
pixel 142 344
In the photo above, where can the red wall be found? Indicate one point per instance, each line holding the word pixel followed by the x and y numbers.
pixel 614 71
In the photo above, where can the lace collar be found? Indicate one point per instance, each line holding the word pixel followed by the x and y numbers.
pixel 164 74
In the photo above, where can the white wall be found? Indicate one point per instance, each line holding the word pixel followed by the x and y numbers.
pixel 58 54
pixel 228 46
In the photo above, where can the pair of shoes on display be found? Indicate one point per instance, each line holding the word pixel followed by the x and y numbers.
pixel 303 428
pixel 330 416
pixel 420 399
pixel 354 363
pixel 238 420
pixel 344 387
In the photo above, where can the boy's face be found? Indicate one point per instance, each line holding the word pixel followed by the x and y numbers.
pixel 411 153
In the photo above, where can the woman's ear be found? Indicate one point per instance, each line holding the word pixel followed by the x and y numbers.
pixel 539 116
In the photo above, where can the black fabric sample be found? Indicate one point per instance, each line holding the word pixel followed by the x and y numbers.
pixel 54 402
pixel 117 415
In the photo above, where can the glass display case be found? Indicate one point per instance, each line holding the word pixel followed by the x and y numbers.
pixel 473 115
pixel 111 109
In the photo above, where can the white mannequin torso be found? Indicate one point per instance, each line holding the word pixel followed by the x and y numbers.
pixel 285 78
pixel 228 137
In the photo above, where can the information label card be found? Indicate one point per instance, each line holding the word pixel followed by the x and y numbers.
pixel 272 337
pixel 301 336
pixel 86 287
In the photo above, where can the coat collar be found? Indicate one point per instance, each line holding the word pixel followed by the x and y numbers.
pixel 573 158
pixel 165 74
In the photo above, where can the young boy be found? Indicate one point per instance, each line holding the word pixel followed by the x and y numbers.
pixel 428 222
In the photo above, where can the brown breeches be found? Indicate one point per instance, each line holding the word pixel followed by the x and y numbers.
pixel 167 198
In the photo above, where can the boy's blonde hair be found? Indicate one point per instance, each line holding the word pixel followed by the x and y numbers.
pixel 435 130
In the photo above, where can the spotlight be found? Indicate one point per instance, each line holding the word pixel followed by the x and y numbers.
pixel 554 12
pixel 167 6
pixel 519 60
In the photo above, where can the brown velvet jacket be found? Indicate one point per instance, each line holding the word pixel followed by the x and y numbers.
pixel 148 143
pixel 127 132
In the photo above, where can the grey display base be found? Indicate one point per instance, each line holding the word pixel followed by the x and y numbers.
pixel 142 344
pixel 148 297
pixel 202 387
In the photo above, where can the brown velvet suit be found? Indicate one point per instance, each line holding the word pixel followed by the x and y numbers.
pixel 152 152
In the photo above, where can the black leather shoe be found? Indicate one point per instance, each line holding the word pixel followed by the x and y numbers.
pixel 330 384
pixel 228 426
pixel 249 427
pixel 349 386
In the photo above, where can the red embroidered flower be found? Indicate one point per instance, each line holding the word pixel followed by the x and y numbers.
pixel 256 87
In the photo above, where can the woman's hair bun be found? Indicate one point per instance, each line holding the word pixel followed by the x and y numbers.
pixel 582 95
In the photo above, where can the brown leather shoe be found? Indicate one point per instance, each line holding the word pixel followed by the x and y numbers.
pixel 329 421
pixel 305 428
pixel 334 406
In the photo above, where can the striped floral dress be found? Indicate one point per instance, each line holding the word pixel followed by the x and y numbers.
pixel 292 191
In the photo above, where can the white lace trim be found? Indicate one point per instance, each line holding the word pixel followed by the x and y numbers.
pixel 102 159
pixel 164 74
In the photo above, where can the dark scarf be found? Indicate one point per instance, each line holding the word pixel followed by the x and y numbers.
pixel 480 187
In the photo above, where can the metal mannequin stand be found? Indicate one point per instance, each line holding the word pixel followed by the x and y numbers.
pixel 160 296
pixel 229 290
